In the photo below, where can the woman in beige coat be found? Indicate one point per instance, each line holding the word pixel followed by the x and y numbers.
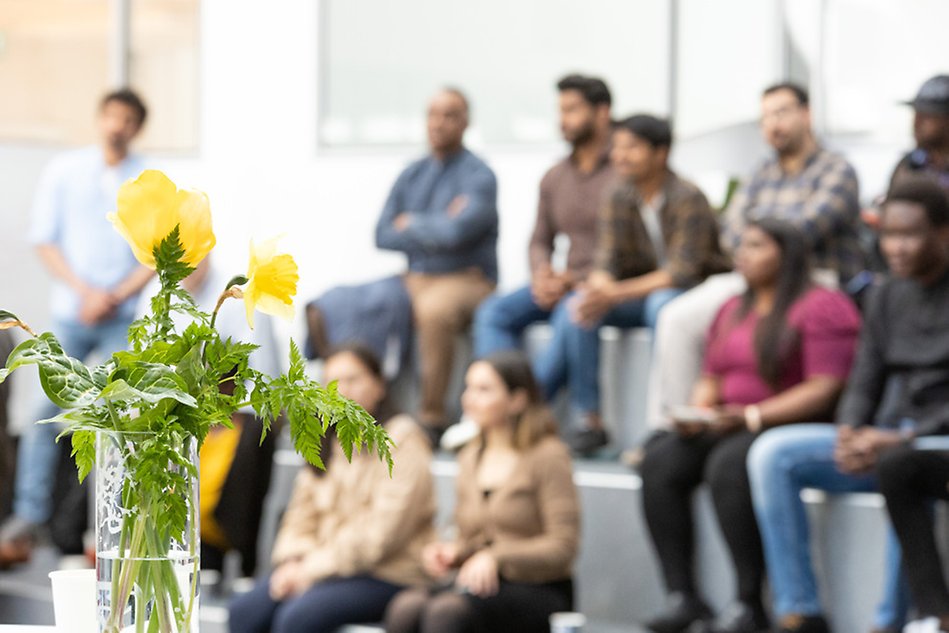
pixel 352 536
pixel 517 515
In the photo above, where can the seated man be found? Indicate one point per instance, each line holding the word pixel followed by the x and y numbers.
pixel 803 184
pixel 657 237
pixel 442 213
pixel 905 338
pixel 571 193
pixel 931 132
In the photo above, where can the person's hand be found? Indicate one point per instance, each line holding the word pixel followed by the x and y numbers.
pixel 479 575
pixel 96 305
pixel 458 204
pixel 547 287
pixel 287 580
pixel 439 558
pixel 402 221
pixel 728 419
pixel 857 450
pixel 593 301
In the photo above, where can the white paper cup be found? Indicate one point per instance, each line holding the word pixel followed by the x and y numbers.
pixel 567 622
pixel 74 600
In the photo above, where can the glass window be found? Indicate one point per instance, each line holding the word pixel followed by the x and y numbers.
pixel 54 68
pixel 382 60
pixel 57 59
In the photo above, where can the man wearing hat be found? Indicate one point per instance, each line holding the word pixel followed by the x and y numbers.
pixel 931 131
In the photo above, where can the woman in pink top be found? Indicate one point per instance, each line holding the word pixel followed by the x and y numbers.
pixel 778 354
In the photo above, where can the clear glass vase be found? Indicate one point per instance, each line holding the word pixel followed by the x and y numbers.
pixel 147 533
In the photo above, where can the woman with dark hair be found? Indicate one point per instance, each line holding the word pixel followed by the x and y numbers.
pixel 352 535
pixel 778 354
pixel 517 516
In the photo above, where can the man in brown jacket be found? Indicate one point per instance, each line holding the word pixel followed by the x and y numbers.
pixel 657 237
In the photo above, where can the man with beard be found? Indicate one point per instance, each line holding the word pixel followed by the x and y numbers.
pixel 96 281
pixel 571 194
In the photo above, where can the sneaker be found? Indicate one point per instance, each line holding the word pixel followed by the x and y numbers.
pixel 681 612
pixel 926 625
pixel 586 441
pixel 457 435
pixel 796 623
pixel 740 617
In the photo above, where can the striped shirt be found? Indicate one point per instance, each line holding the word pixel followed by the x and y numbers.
pixel 822 200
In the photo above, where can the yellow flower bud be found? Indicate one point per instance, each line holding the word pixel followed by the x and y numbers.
pixel 272 281
pixel 150 207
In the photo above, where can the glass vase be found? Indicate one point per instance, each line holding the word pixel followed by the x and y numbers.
pixel 147 533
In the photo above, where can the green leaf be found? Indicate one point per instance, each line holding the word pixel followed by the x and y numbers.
pixel 9 316
pixel 236 280
pixel 84 451
pixel 168 260
pixel 150 382
pixel 66 381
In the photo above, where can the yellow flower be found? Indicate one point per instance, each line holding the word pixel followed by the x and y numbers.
pixel 150 207
pixel 272 281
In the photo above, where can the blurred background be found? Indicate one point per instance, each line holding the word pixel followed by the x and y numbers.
pixel 295 116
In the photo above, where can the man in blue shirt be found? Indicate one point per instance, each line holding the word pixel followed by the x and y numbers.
pixel 442 213
pixel 96 281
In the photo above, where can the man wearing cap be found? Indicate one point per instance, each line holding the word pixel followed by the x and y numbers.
pixel 931 131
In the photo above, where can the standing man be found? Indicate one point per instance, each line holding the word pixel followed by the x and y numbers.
pixel 571 194
pixel 804 184
pixel 442 213
pixel 657 236
pixel 96 280
pixel 905 338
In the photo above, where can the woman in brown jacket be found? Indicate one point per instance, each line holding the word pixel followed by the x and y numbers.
pixel 517 515
pixel 352 536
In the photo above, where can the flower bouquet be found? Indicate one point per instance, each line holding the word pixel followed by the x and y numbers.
pixel 141 416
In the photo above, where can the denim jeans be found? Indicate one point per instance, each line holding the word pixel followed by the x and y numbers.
pixel 37 454
pixel 501 320
pixel 323 608
pixel 572 358
pixel 781 463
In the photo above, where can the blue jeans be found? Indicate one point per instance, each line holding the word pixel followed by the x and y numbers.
pixel 781 463
pixel 37 453
pixel 500 321
pixel 572 358
pixel 322 608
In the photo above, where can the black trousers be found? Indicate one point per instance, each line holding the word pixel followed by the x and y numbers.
pixel 516 608
pixel 909 480
pixel 673 467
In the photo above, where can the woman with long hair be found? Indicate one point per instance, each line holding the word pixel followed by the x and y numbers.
pixel 352 536
pixel 778 354
pixel 516 512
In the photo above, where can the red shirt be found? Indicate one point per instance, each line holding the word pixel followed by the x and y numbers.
pixel 825 324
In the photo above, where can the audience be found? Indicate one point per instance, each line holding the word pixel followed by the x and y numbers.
pixel 903 345
pixel 778 354
pixel 517 515
pixel 352 536
pixel 442 213
pixel 571 194
pixel 96 280
pixel 803 183
pixel 657 237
